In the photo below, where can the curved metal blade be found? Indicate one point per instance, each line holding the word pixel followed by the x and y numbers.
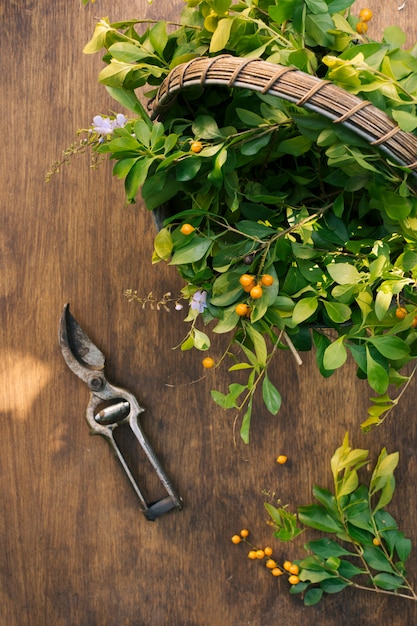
pixel 81 355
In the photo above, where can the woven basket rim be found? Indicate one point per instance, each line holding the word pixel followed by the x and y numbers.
pixel 291 84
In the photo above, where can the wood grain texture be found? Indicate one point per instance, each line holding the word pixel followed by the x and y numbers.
pixel 75 549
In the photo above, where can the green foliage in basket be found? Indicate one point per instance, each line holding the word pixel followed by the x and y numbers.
pixel 266 187
pixel 365 550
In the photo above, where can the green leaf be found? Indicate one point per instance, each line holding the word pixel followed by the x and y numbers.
pixel 316 517
pixel 321 342
pixel 333 585
pixel 163 244
pixel 201 340
pixel 348 570
pixel 271 396
pixel 390 582
pixel 98 40
pixel 205 127
pixel 377 375
pixel 221 35
pixel 192 252
pixel 136 177
pixel 406 121
pixel 158 37
pixel 313 596
pixel 326 548
pixel 249 118
pixel 228 401
pixel 317 6
pixel 349 484
pixel 245 427
pixel 115 73
pixel 376 559
pixel 304 308
pixel 295 146
pixel 396 207
pixel 259 345
pixel 337 311
pixel 403 546
pixel 335 354
pixel 253 147
pixel 344 273
pixel 392 348
pixel 382 303
pixel 187 169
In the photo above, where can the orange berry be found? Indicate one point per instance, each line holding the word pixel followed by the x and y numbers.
pixel 282 459
pixel 401 312
pixel 256 292
pixel 242 309
pixel 260 554
pixel 187 229
pixel 277 571
pixel 376 541
pixel 361 28
pixel 236 539
pixel 267 280
pixel 196 147
pixel 271 564
pixel 248 288
pixel 208 362
pixel 252 555
pixel 414 322
pixel 294 569
pixel 246 280
pixel 365 14
pixel 287 565
pixel 293 580
pixel 244 533
pixel 268 551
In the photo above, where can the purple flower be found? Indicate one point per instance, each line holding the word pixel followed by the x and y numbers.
pixel 102 125
pixel 198 302
pixel 120 121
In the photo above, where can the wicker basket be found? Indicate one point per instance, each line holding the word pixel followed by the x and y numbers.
pixel 293 85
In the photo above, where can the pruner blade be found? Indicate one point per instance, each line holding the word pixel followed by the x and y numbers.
pixel 109 407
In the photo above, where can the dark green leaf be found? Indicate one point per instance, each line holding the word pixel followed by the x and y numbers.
pixel 388 581
pixel 326 548
pixel 271 396
pixel 333 585
pixel 316 517
pixel 313 596
pixel 376 559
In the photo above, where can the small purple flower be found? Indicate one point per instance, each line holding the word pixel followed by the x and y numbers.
pixel 120 121
pixel 178 306
pixel 102 125
pixel 198 302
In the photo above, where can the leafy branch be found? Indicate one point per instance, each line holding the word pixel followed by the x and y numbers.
pixel 368 551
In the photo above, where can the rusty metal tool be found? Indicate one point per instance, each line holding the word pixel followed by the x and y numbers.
pixel 110 407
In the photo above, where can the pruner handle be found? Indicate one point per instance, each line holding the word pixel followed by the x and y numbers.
pixel 124 409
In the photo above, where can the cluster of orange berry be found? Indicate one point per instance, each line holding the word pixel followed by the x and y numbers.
pixel 365 15
pixel 254 288
pixel 265 554
pixel 401 313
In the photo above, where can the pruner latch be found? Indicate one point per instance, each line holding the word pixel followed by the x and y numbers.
pixel 110 407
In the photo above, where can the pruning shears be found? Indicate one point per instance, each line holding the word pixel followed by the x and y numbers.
pixel 110 407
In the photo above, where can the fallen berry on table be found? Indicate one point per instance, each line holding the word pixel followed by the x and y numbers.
pixel 208 362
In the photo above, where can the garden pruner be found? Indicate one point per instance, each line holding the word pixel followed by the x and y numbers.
pixel 110 407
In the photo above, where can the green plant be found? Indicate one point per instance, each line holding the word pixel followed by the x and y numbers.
pixel 368 551
pixel 273 188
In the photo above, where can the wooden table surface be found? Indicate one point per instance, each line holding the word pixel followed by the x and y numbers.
pixel 75 549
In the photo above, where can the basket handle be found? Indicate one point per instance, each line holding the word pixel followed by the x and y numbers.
pixel 293 85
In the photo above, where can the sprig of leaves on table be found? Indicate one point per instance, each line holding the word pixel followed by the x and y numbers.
pixel 368 550
pixel 275 188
